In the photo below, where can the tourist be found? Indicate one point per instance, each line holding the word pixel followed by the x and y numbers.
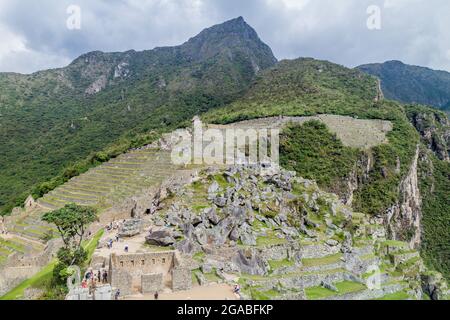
pixel 84 284
pixel 237 289
pixel 105 276
pixel 99 276
pixel 117 238
pixel 156 295
pixel 117 295
pixel 126 248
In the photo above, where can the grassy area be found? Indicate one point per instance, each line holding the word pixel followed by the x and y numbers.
pixel 270 239
pixel 335 258
pixel 277 264
pixel 212 277
pixel 199 256
pixel 45 275
pixel 39 278
pixel 394 243
pixel 264 295
pixel 400 295
pixel 91 245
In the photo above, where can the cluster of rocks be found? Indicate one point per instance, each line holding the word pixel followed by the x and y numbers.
pixel 243 204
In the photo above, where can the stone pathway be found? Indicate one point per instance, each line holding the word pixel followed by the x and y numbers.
pixel 210 292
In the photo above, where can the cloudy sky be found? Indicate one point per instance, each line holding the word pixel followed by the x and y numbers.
pixel 34 34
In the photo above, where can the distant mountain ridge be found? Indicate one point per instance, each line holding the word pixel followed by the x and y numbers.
pixel 412 84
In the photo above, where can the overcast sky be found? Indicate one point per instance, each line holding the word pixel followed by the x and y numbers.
pixel 34 34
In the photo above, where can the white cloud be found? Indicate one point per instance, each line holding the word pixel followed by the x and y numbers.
pixel 16 57
pixel 415 31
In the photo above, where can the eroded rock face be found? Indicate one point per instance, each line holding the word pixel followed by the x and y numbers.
pixel 403 220
pixel 435 131
pixel 98 85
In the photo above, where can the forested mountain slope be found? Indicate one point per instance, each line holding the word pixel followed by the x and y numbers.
pixel 52 119
pixel 412 84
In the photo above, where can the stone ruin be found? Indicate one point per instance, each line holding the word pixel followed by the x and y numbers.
pixel 146 273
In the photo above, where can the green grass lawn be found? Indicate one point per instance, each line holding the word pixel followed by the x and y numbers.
pixel 45 274
pixel 277 264
pixel 315 293
pixel 400 295
pixel 335 258
pixel 270 239
pixel 264 295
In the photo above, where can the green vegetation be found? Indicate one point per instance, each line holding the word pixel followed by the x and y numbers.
pixel 43 279
pixel 399 295
pixel 306 87
pixel 37 281
pixel 316 293
pixel 435 191
pixel 335 258
pixel 55 128
pixel 412 84
pixel 277 264
pixel 315 153
pixel 263 295
pixel 71 222
pixel 270 239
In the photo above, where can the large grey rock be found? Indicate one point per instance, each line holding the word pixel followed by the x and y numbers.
pixel 162 237
pixel 212 216
pixel 220 233
pixel 214 188
pixel 130 228
pixel 250 262
pixel 187 246
pixel 173 219
pixel 188 230
pixel 235 234
pixel 200 234
pixel 220 202
pixel 328 285
pixel 248 239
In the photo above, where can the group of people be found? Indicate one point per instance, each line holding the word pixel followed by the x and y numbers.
pixel 92 278
pixel 115 225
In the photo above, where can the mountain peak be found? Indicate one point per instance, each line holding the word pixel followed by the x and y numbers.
pixel 230 37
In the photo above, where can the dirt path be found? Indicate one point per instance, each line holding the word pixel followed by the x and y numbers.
pixel 211 292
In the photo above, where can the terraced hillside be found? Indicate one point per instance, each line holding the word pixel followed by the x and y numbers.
pixel 101 187
pixel 113 181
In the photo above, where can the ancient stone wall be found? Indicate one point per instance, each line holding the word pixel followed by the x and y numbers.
pixel 132 273
pixel 151 283
pixel 181 279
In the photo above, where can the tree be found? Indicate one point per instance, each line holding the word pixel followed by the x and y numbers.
pixel 71 222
